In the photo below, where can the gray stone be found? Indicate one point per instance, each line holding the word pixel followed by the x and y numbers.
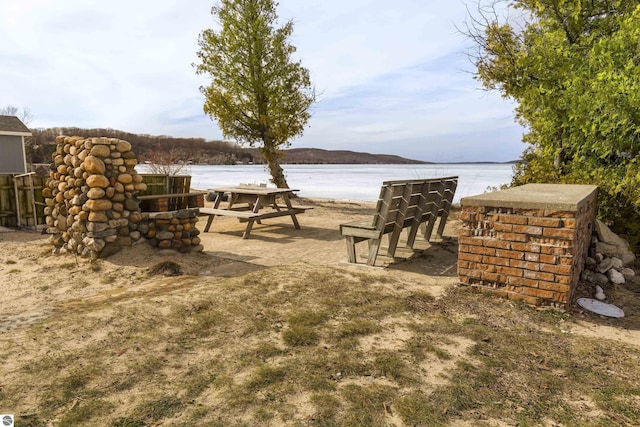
pixel 616 277
pixel 135 235
pixel 605 234
pixel 628 273
pixel 601 278
pixel 94 244
pixel 536 196
pixel 162 215
pixel 79 200
pixel 72 244
pixel 186 213
pixel 140 240
pixel 97 227
pixel 612 245
pixel 617 263
pixel 590 262
pixel 587 276
pixel 79 227
pixel 164 235
pixel 131 205
pixel 196 248
pixel 605 265
pixel 116 223
pixel 103 234
pixel 621 252
pixel 143 227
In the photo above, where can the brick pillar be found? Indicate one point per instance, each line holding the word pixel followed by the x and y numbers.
pixel 527 243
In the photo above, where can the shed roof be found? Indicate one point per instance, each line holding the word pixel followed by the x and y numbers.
pixel 11 125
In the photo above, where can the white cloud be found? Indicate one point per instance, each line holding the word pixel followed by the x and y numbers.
pixel 389 73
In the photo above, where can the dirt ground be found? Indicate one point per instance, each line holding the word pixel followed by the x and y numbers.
pixel 44 283
pixel 37 285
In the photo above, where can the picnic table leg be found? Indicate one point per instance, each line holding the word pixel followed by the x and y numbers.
pixel 216 204
pixel 287 202
pixel 209 221
pixel 256 209
pixel 252 209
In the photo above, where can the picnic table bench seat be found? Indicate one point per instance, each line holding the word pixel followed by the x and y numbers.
pixel 410 205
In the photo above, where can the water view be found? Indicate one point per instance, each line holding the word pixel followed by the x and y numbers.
pixel 350 182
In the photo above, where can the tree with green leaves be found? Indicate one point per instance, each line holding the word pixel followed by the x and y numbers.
pixel 258 94
pixel 573 67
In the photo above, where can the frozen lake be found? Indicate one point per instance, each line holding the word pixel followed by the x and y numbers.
pixel 349 182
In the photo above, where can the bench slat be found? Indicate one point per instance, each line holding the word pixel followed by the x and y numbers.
pixel 299 207
pixel 227 212
pixel 273 214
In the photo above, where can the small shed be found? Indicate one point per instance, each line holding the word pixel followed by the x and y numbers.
pixel 12 135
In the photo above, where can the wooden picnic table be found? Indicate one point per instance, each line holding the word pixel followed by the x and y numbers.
pixel 253 204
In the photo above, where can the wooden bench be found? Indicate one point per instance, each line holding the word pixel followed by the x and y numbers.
pixel 402 205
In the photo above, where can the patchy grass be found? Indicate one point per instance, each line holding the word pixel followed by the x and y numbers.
pixel 166 268
pixel 317 346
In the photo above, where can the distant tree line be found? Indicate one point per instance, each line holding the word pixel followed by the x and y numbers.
pixel 166 150
pixel 151 148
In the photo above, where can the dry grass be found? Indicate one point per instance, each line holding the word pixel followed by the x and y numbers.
pixel 311 345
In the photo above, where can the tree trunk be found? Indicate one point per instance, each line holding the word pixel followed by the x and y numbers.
pixel 277 174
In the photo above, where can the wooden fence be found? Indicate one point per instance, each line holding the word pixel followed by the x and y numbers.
pixel 21 201
pixel 19 211
pixel 164 185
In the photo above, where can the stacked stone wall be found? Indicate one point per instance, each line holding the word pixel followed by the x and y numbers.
pixel 89 195
pixel 533 255
pixel 174 230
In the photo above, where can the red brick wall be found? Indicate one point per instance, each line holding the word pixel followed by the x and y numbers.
pixel 533 255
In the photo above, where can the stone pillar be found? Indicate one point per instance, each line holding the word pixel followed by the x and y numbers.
pixel 527 243
pixel 89 195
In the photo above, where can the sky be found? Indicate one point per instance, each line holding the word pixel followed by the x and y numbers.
pixel 392 77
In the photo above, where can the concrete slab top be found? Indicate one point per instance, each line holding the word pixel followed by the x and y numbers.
pixel 564 197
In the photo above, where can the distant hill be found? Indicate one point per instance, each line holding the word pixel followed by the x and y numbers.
pixel 167 149
pixel 319 156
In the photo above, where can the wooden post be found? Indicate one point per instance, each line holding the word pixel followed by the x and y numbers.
pixel 33 201
pixel 30 197
pixel 17 196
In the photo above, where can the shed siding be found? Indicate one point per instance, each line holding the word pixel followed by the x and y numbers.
pixel 11 154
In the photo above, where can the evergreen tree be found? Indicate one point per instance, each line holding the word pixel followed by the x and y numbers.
pixel 258 94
